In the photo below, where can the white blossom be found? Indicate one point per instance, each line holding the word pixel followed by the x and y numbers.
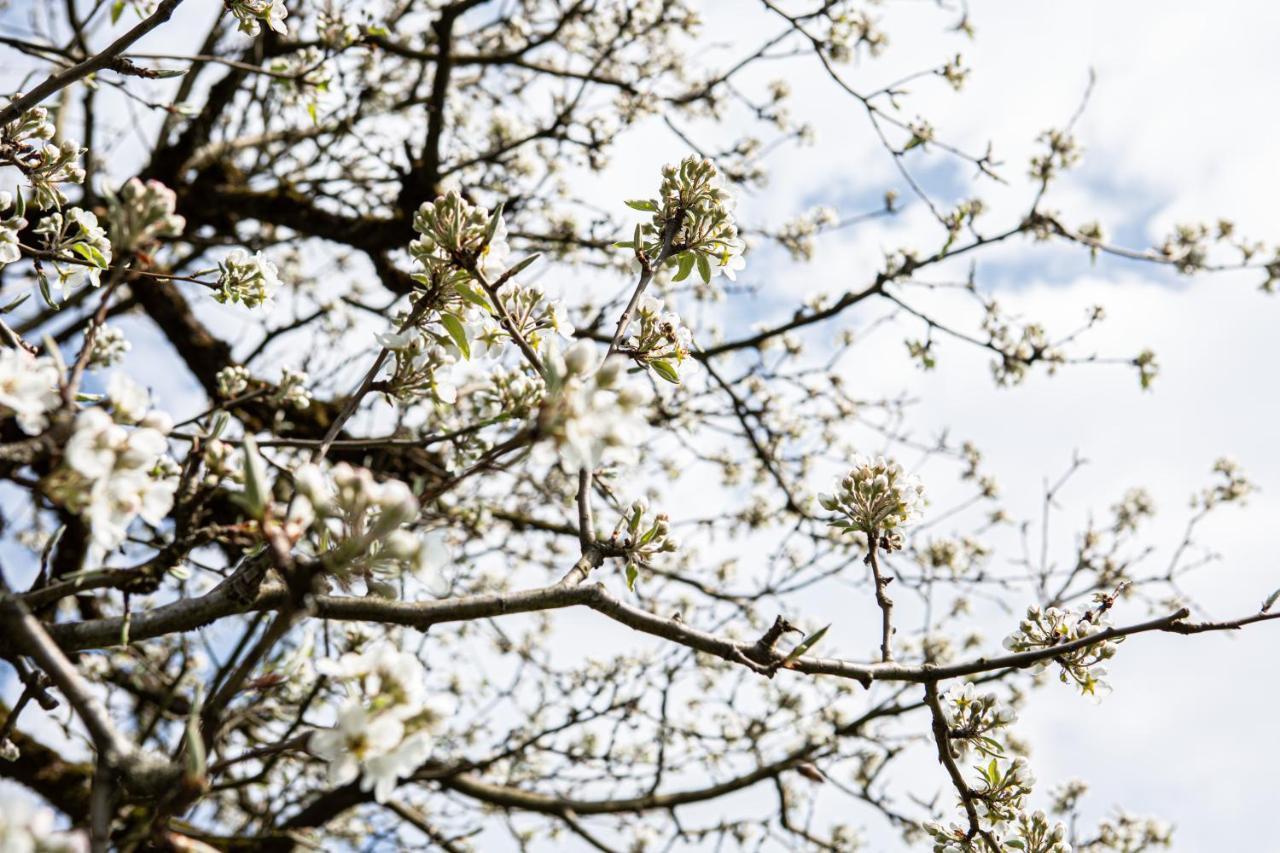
pixel 28 389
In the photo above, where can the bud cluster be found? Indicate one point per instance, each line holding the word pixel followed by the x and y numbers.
pixel 26 144
pixel 692 202
pixel 642 538
pixel 458 237
pixel 141 213
pixel 877 498
pixel 251 280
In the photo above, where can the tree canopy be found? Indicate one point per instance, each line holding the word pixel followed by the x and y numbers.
pixel 468 506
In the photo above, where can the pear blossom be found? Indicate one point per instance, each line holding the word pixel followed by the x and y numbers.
pixel 251 280
pixel 10 227
pixel 28 389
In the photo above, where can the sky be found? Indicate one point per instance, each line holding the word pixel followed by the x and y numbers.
pixel 1179 126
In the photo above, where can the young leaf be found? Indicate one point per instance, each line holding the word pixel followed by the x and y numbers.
pixel 256 490
pixel 806 644
pixel 666 371
pixel 454 327
pixel 1271 600
pixel 704 269
pixel 633 572
pixel 642 204
pixel 685 266
pixel 117 9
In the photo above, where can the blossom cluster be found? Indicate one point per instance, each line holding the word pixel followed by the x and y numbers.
pixel 383 728
pixel 251 280
pixel 658 339
pixel 422 355
pixel 1027 833
pixel 116 467
pixel 876 497
pixel 1045 628
pixel 973 717
pixel 26 144
pixel 141 213
pixel 251 14
pixel 587 415
pixel 456 237
pixel 642 537
pixel 11 225
pixel 28 389
pixel 108 347
pixel 80 245
pixel 360 526
pixel 693 212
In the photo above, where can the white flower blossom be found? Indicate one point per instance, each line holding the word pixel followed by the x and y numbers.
pixel 28 389
pixel 251 280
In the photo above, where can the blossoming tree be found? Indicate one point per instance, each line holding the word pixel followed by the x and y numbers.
pixel 478 511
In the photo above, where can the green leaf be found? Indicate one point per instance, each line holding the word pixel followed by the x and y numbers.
pixel 117 9
pixel 311 111
pixel 666 371
pixel 458 332
pixel 806 644
pixel 1271 600
pixel 493 224
pixel 168 73
pixel 1016 843
pixel 378 31
pixel 633 572
pixel 704 269
pixel 643 204
pixel 473 297
pixel 19 203
pixel 624 245
pixel 685 267
pixel 520 267
pixel 15 303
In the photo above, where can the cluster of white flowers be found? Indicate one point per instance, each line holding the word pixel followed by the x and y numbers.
pixel 706 237
pixel 116 467
pixel 28 389
pixel 141 213
pixel 26 829
pixel 383 728
pixel 1046 628
pixel 251 280
pixel 233 380
pixel 507 392
pixel 456 236
pixel 1018 348
pixel 797 236
pixel 1233 488
pixel 422 357
pixel 585 415
pixel 11 226
pixel 658 339
pixel 642 537
pixel 25 144
pixel 80 243
pixel 876 497
pixel 1027 833
pixel 251 14
pixel 292 389
pixel 973 717
pixel 109 345
pixel 360 530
